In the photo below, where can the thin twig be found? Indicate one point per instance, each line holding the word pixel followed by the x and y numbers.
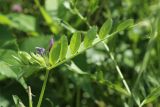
pixel 30 96
pixel 43 88
pixel 117 68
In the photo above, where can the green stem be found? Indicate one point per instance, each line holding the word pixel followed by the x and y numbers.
pixel 43 89
pixel 117 68
pixel 30 96
pixel 37 2
pixel 48 19
pixel 81 16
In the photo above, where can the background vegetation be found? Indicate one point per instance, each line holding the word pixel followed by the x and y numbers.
pixel 121 71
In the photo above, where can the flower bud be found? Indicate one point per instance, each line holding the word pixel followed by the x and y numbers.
pixel 17 8
pixel 51 43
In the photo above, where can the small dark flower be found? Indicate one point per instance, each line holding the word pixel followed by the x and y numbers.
pixel 51 43
pixel 40 50
pixel 17 8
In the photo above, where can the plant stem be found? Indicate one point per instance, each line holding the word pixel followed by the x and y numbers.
pixel 30 96
pixel 117 68
pixel 81 16
pixel 48 19
pixel 43 88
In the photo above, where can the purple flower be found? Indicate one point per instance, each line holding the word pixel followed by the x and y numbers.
pixel 17 8
pixel 51 43
pixel 40 50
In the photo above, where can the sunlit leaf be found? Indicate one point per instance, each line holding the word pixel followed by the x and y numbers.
pixel 6 70
pixel 23 22
pixel 105 29
pixel 125 24
pixel 54 53
pixel 73 67
pixel 5 20
pixel 90 36
pixel 75 42
pixel 64 47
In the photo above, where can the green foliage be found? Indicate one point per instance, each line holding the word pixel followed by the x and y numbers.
pixel 105 53
pixel 75 42
pixel 54 53
pixel 90 36
pixel 105 29
pixel 60 48
pixel 123 25
pixel 5 20
pixel 53 26
pixel 18 101
pixel 64 47
pixel 6 70
pixel 27 22
pixel 73 67
pixel 152 96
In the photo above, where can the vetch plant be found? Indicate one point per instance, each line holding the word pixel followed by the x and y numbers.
pixel 61 51
pixel 93 58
